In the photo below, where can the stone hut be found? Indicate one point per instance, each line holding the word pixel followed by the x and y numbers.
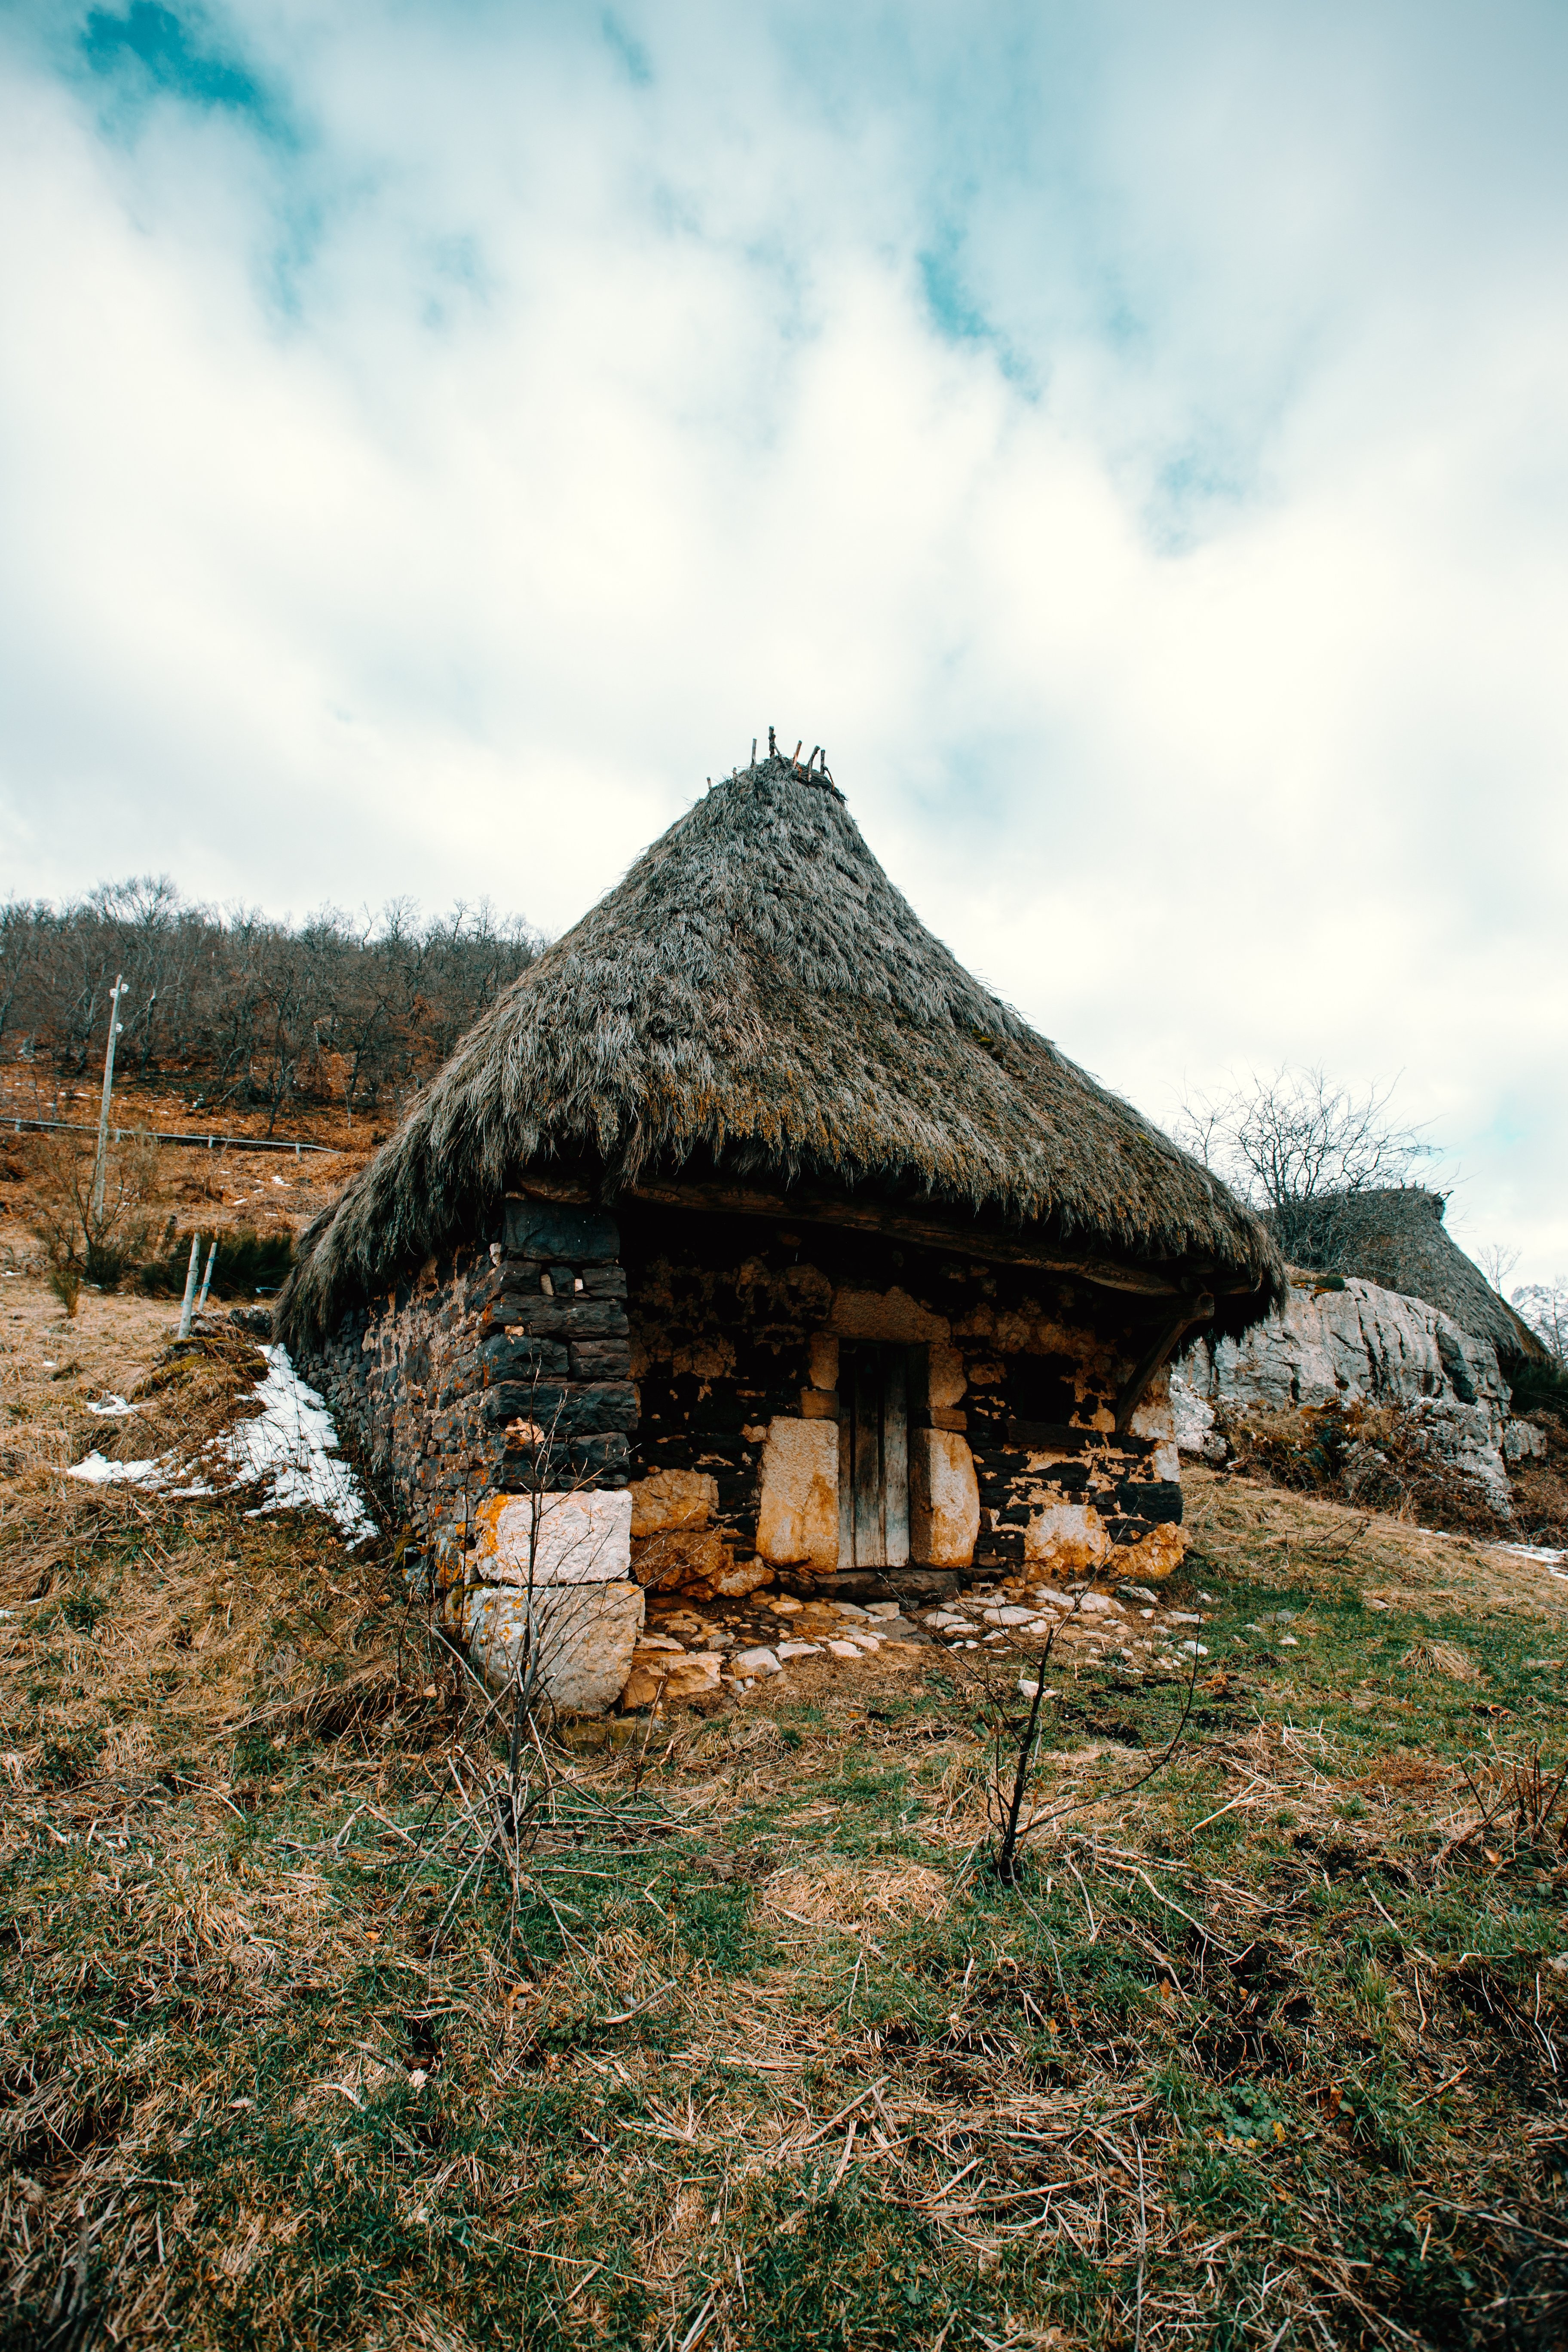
pixel 750 1238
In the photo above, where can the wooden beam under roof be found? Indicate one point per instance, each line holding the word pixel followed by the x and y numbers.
pixel 807 1206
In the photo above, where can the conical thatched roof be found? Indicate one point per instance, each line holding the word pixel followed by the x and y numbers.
pixel 1398 1238
pixel 756 999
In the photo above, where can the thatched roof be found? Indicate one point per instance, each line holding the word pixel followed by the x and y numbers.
pixel 1398 1238
pixel 756 1000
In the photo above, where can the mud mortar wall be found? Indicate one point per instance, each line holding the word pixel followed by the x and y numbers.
pixel 735 1325
pixel 664 1341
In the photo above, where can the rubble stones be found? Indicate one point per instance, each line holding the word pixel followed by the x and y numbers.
pixel 659 1677
pixel 677 1558
pixel 740 1577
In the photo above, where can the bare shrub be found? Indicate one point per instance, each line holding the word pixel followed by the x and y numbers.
pixel 65 1281
pixel 1364 1453
pixel 83 1240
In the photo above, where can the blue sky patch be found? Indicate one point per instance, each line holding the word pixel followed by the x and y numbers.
pixel 630 51
pixel 154 48
pixel 956 315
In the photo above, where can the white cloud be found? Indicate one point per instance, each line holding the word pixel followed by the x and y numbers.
pixel 432 498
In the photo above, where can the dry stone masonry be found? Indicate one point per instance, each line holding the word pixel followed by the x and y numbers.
pixel 595 1410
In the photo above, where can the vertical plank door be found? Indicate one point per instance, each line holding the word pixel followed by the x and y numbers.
pixel 870 1532
pixel 895 1458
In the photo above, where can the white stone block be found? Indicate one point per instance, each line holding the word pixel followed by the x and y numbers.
pixel 944 1499
pixel 585 1539
pixel 582 1637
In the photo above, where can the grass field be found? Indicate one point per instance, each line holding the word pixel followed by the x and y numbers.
pixel 747 2044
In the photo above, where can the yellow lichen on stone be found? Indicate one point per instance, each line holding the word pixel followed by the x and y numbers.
pixel 944 1499
pixel 1068 1538
pixel 672 1498
pixel 798 1521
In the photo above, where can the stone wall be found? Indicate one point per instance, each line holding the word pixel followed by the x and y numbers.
pixel 736 1331
pixel 441 1380
pixel 696 1360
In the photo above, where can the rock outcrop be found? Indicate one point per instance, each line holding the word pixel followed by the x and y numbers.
pixel 1341 1342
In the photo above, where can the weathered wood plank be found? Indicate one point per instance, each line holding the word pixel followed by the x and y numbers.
pixel 1198 1311
pixel 896 1455
pixel 870 1531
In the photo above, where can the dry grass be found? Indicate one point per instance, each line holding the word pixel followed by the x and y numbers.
pixel 213 1191
pixel 1265 2052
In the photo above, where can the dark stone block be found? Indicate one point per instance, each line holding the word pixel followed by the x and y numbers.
pixel 542 1229
pixel 1157 1500
pixel 857 1584
pixel 604 1281
pixel 570 1318
pixel 597 1405
pixel 564 1410
pixel 514 1355
pixel 603 1457
pixel 539 1402
pixel 924 1584
pixel 601 1360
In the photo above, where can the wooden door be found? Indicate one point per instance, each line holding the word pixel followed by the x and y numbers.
pixel 873 1456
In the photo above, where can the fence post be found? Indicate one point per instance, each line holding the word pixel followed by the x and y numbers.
pixel 99 1165
pixel 184 1329
pixel 207 1277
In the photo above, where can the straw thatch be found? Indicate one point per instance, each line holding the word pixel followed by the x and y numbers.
pixel 1398 1238
pixel 756 998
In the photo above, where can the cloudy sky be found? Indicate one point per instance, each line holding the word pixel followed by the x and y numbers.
pixel 435 436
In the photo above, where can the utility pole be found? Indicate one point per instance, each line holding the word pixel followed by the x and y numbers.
pixel 101 1165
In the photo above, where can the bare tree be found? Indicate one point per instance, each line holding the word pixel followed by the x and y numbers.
pixel 1294 1143
pixel 1496 1262
pixel 257 1011
pixel 85 1237
pixel 1544 1307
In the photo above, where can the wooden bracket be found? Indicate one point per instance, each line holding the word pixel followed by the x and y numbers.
pixel 1194 1311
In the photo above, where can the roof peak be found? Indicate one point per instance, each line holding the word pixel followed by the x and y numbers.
pixel 814 770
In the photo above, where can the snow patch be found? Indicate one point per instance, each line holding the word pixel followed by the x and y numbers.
pixel 289 1450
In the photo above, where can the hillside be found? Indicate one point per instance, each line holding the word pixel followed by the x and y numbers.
pixel 720 2029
